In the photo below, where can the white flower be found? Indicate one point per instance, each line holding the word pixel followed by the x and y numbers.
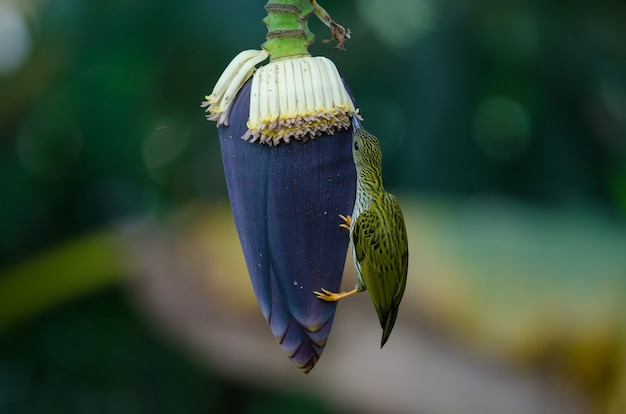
pixel 296 97
pixel 234 76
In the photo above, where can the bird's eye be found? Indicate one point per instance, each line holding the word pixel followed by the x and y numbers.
pixel 356 145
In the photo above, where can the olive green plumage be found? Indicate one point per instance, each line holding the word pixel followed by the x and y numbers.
pixel 378 234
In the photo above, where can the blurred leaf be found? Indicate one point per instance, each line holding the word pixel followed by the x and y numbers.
pixel 76 269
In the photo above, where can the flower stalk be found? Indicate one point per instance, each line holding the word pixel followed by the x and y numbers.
pixel 288 33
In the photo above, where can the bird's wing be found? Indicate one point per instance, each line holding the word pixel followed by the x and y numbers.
pixel 381 253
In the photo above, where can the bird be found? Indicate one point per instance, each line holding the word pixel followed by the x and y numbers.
pixel 378 235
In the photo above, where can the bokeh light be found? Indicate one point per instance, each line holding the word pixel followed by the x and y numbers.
pixel 398 23
pixel 15 38
pixel 502 128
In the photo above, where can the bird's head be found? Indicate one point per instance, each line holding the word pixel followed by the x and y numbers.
pixel 366 150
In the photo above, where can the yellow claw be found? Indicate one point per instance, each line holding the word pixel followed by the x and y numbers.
pixel 347 220
pixel 329 296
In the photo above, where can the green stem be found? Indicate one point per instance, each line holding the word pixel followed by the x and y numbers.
pixel 288 33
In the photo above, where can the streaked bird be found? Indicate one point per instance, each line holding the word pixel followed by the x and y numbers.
pixel 378 235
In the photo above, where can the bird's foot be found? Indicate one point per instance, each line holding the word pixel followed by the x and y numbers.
pixel 329 296
pixel 347 222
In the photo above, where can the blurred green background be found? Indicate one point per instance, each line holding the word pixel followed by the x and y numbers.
pixel 503 127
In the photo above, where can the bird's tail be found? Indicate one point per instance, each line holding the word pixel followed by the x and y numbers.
pixel 387 324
